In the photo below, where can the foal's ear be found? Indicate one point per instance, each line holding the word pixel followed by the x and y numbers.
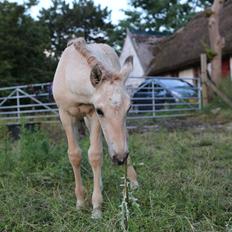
pixel 126 68
pixel 96 76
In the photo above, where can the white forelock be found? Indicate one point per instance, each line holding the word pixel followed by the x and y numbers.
pixel 116 98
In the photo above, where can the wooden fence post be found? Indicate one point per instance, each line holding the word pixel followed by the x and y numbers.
pixel 211 86
pixel 204 79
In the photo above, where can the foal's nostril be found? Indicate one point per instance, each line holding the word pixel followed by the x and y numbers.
pixel 119 161
pixel 125 158
pixel 114 159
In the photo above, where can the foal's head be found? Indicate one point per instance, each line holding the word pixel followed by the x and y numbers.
pixel 112 102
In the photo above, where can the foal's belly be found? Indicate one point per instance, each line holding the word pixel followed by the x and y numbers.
pixel 80 110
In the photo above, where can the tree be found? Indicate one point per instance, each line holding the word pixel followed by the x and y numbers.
pixel 22 44
pixel 162 15
pixel 118 34
pixel 216 40
pixel 82 18
pixel 156 16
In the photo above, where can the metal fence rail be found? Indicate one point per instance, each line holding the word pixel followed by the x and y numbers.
pixel 29 103
pixel 162 97
pixel 150 100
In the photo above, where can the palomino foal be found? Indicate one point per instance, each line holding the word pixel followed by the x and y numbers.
pixel 89 83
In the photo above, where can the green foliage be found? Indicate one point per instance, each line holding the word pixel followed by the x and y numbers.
pixel 161 15
pixel 34 150
pixel 184 176
pixel 225 87
pixel 22 44
pixel 81 18
pixel 156 16
pixel 6 162
pixel 118 34
pixel 30 48
pixel 209 52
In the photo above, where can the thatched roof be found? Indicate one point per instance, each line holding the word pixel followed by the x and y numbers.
pixel 143 42
pixel 182 49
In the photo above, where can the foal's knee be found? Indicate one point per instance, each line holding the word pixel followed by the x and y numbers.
pixel 95 158
pixel 75 157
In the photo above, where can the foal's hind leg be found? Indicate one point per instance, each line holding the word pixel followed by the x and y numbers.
pixel 132 176
pixel 74 152
pixel 95 159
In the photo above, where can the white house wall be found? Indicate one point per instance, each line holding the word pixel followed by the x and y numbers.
pixel 128 50
pixel 136 76
pixel 187 73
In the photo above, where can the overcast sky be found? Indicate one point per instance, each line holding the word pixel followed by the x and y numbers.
pixel 114 5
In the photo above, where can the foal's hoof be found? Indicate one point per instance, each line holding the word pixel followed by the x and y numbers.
pixel 80 205
pixel 96 214
pixel 134 185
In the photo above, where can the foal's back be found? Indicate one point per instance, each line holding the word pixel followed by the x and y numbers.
pixel 72 78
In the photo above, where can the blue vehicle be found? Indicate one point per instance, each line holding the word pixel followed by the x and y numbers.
pixel 160 93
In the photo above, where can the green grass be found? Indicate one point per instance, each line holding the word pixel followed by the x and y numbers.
pixel 185 184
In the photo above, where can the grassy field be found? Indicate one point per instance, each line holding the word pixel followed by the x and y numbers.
pixel 185 183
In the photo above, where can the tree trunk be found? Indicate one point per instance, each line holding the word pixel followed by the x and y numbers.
pixel 216 41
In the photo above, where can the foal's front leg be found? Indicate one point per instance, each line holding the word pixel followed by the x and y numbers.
pixel 74 152
pixel 95 159
pixel 132 176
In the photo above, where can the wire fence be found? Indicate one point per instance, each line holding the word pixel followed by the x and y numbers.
pixel 151 97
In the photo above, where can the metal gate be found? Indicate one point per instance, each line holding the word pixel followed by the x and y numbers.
pixel 151 97
pixel 162 97
pixel 27 103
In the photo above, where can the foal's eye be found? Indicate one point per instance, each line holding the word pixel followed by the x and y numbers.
pixel 99 112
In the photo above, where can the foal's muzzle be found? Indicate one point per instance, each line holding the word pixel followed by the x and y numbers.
pixel 116 159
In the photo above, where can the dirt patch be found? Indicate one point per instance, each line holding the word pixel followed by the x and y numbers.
pixel 198 122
